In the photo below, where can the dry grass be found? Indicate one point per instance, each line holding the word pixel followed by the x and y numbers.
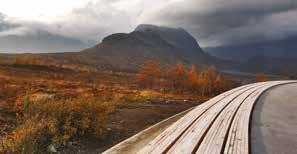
pixel 44 106
pixel 45 121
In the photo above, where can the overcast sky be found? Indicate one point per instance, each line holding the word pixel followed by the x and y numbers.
pixel 212 22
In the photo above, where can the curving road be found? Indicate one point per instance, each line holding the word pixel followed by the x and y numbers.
pixel 274 121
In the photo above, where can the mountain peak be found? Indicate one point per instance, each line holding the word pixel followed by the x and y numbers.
pixel 150 27
pixel 178 37
pixel 168 45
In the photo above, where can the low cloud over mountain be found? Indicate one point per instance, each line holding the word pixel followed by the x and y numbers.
pixel 33 37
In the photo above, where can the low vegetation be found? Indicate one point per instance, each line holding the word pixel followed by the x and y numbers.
pixel 48 105
pixel 54 121
pixel 180 79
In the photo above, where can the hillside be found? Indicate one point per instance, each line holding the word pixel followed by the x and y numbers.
pixel 168 45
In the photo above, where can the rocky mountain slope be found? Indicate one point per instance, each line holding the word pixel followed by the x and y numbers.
pixel 168 45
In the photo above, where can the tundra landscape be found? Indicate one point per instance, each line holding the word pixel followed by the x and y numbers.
pixel 66 91
pixel 49 102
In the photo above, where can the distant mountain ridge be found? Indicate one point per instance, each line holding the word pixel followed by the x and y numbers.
pixel 269 65
pixel 274 56
pixel 40 42
pixel 284 48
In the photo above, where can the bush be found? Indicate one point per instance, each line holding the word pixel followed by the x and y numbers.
pixel 27 138
pixel 260 77
pixel 182 80
pixel 55 121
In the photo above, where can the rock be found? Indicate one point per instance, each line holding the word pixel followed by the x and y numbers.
pixel 51 148
pixel 72 145
pixel 51 96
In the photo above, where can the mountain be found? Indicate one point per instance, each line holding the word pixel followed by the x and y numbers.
pixel 285 48
pixel 127 51
pixel 130 50
pixel 269 65
pixel 179 38
pixel 273 57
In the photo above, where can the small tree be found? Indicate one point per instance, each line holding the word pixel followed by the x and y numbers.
pixel 218 84
pixel 202 84
pixel 149 73
pixel 208 77
pixel 2 83
pixel 177 76
pixel 285 78
pixel 260 77
pixel 192 79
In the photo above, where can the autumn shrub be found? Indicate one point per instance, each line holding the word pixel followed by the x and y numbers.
pixel 27 138
pixel 177 77
pixel 182 80
pixel 56 121
pixel 260 77
pixel 149 73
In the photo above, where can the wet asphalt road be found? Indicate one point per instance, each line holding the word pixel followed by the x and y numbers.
pixel 274 121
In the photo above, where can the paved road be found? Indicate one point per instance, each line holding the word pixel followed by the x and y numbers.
pixel 274 122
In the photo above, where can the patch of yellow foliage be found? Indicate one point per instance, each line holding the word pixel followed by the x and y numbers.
pixel 55 121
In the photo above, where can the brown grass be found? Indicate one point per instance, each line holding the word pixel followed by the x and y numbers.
pixel 55 121
pixel 58 106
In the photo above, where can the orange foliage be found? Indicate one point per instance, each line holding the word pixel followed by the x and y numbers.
pixel 2 83
pixel 55 121
pixel 260 77
pixel 149 73
pixel 206 80
pixel 177 76
pixel 193 78
pixel 182 80
pixel 218 83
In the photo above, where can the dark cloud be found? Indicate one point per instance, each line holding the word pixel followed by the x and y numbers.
pixel 212 22
pixel 216 22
